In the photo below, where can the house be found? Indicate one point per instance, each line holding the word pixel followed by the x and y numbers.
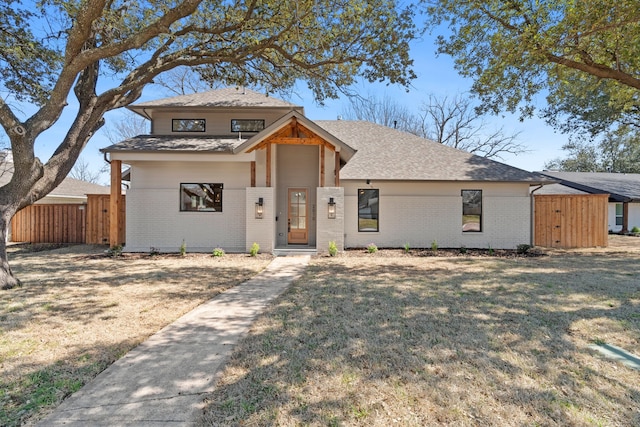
pixel 231 167
pixel 623 190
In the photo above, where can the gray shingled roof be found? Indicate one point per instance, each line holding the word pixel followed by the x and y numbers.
pixel 389 154
pixel 70 187
pixel 552 189
pixel 225 98
pixel 621 187
pixel 218 144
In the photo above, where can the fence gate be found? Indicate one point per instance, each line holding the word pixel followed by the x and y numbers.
pixel 98 219
pixel 571 220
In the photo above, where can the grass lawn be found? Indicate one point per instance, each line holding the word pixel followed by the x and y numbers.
pixel 388 339
pixel 79 310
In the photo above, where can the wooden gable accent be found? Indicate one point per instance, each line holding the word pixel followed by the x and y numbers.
pixel 297 134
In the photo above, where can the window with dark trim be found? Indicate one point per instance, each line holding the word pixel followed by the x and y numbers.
pixel 471 210
pixel 247 125
pixel 188 125
pixel 368 210
pixel 201 197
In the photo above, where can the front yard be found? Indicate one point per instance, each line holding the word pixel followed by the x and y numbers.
pixel 365 339
pixel 79 310
pixel 384 339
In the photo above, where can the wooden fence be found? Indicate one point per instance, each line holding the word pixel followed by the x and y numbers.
pixel 571 220
pixel 98 219
pixel 50 224
pixel 66 223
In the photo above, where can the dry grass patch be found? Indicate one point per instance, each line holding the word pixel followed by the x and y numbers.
pixel 79 310
pixel 381 340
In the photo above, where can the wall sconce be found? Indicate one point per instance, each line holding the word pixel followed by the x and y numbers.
pixel 260 208
pixel 331 213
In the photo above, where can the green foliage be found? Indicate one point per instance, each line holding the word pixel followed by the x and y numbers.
pixel 219 252
pixel 635 229
pixel 523 248
pixel 183 248
pixel 514 50
pixel 463 249
pixel 616 151
pixel 255 248
pixel 153 251
pixel 434 245
pixel 407 248
pixel 115 251
pixel 491 251
pixel 372 248
pixel 333 249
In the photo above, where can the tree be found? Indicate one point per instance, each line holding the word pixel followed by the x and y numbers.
pixel 617 151
pixel 513 50
pixel 55 49
pixel 82 170
pixel 451 121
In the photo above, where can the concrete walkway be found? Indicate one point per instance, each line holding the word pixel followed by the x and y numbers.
pixel 164 379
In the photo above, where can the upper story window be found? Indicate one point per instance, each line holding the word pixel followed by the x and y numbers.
pixel 471 210
pixel 247 125
pixel 188 125
pixel 201 197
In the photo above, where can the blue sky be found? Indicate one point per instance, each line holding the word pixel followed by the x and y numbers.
pixel 436 75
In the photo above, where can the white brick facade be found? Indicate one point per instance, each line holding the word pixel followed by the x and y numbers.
pixel 330 230
pixel 261 231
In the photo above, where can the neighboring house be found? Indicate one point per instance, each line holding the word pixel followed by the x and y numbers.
pixel 54 218
pixel 623 190
pixel 230 167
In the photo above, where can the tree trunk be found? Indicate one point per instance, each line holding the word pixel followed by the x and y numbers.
pixel 7 279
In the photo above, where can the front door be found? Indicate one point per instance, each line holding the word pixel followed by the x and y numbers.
pixel 298 232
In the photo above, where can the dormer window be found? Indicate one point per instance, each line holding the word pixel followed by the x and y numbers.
pixel 247 125
pixel 188 125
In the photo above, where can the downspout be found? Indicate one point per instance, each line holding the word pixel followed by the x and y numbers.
pixel 532 215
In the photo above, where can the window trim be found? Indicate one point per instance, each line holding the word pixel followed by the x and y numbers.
pixel 377 229
pixel 175 129
pixel 621 216
pixel 480 215
pixel 216 187
pixel 237 121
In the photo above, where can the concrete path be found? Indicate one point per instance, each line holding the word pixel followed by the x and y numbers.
pixel 162 382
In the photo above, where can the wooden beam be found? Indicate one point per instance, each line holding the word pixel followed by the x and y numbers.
pixel 337 166
pixel 625 218
pixel 253 174
pixel 296 141
pixel 321 166
pixel 268 165
pixel 115 201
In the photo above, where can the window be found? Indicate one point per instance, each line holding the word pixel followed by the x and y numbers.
pixel 247 125
pixel 471 210
pixel 368 210
pixel 188 125
pixel 201 197
pixel 619 213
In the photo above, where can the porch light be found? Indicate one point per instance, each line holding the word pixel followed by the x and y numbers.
pixel 331 213
pixel 259 208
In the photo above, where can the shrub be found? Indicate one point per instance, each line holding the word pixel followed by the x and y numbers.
pixel 372 248
pixel 463 249
pixel 434 245
pixel 115 251
pixel 407 248
pixel 183 248
pixel 218 252
pixel 255 248
pixel 490 249
pixel 333 249
pixel 153 251
pixel 635 229
pixel 523 248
